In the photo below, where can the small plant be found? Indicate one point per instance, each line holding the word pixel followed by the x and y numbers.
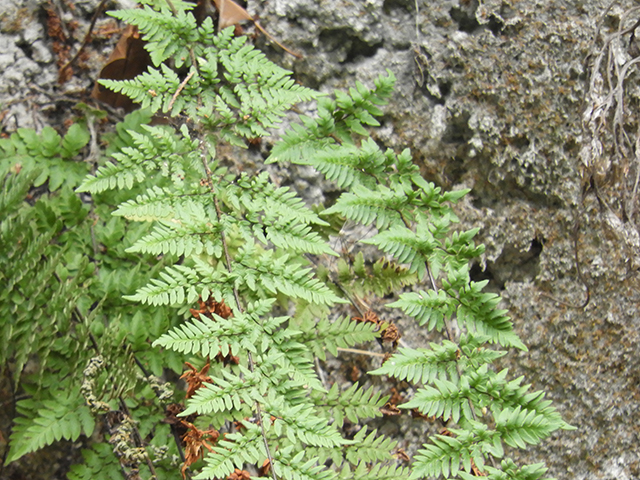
pixel 228 272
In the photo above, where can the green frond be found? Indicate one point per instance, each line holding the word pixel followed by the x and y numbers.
pixel 343 333
pixel 381 278
pixel 232 452
pixel 152 89
pixel 300 423
pixel 157 151
pixel 167 35
pixel 382 205
pixel 421 365
pixel 431 308
pixel 480 313
pixel 291 467
pixel 190 239
pixel 163 204
pixel 62 416
pixel 276 203
pixel 500 393
pixel 447 401
pixel 420 249
pixel 520 427
pixel 47 155
pixel 99 462
pixel 300 144
pixel 280 275
pixel 178 286
pixel 298 237
pixel 295 358
pixel 364 471
pixel 314 143
pixel 447 455
pixel 208 337
pixel 370 448
pixel 461 247
pixel 355 403
pixel 230 393
pixel 510 471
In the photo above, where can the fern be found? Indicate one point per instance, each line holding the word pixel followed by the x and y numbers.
pixel 61 415
pixel 168 226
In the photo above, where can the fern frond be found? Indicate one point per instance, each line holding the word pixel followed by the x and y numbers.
pixel 343 333
pixel 191 239
pixel 381 278
pixel 496 391
pixel 280 275
pixel 300 423
pixel 339 118
pixel 165 204
pixel 178 285
pixel 157 150
pixel 480 313
pixel 99 462
pixel 451 455
pixel 295 358
pixel 431 308
pixel 519 427
pixel 371 448
pixel 168 35
pixel 298 237
pixel 364 471
pixel 448 400
pixel 208 337
pixel 355 403
pixel 62 416
pixel 291 467
pixel 510 471
pixel 230 393
pixel 276 203
pixel 382 205
pixel 421 364
pixel 232 452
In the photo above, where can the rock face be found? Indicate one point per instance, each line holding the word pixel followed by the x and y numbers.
pixel 491 96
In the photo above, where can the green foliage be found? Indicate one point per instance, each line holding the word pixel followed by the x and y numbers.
pixel 49 154
pixel 47 419
pixel 101 286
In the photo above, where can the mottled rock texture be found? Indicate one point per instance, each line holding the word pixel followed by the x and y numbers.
pixel 491 96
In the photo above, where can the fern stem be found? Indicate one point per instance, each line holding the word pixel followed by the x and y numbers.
pixel 228 265
pixel 447 328
pixel 361 352
pixel 180 88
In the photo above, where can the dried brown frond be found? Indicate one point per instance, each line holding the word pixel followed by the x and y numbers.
pixel 195 378
pixel 196 441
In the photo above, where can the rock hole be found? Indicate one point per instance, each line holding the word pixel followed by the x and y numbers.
pixel 465 15
pixel 26 48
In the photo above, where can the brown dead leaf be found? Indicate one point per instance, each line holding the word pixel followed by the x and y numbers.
pixel 239 475
pixel 263 471
pixel 128 60
pixel 195 378
pixel 390 409
pixel 230 13
pixel 195 442
pixel 401 454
